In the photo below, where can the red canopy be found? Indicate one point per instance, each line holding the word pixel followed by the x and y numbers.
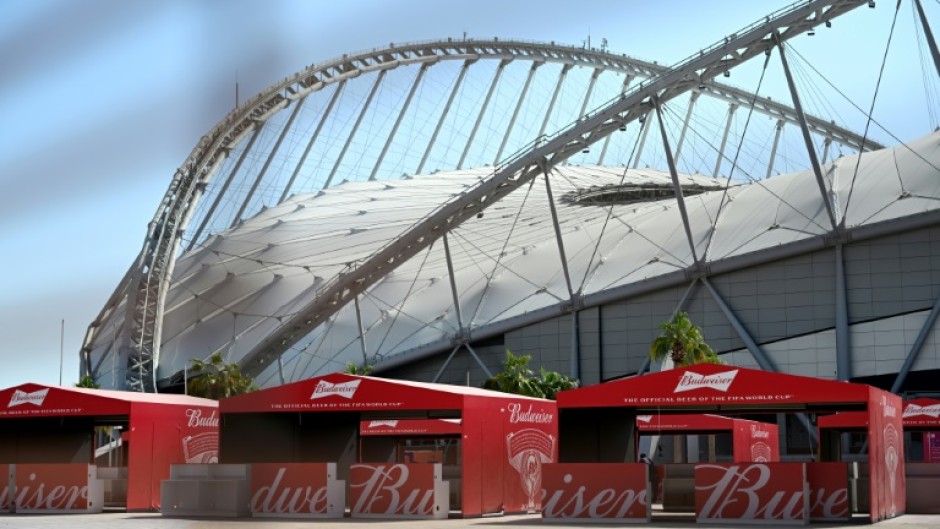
pixel 344 392
pixel 711 386
pixel 38 400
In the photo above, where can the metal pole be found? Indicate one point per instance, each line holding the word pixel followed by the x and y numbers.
pixel 843 351
pixel 558 239
pixel 313 138
pixel 590 90
pixel 810 149
pixel 453 283
pixel 352 133
pixel 486 103
pixel 440 122
pixel 931 43
pixel 677 187
pixel 515 112
pixel 446 363
pixel 644 131
pixel 825 155
pixel 551 104
pixel 362 332
pixel 759 355
pixel 724 139
pixel 685 124
pixel 401 115
pixel 925 331
pixel 62 350
pixel 626 83
pixel 773 149
pixel 476 357
pixel 267 162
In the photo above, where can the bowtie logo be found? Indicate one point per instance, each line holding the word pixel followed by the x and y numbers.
pixel 914 410
pixel 341 389
pixel 717 381
pixel 21 397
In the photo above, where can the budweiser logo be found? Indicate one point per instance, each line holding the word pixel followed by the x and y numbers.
pixel 381 424
pixel 21 397
pixel 36 494
pixel 741 492
pixel 717 381
pixel 284 499
pixel 390 489
pixel 196 420
pixel 913 410
pixel 341 389
pixel 517 415
pixel 757 433
pixel 644 418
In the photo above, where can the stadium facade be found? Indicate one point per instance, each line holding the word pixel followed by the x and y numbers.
pixel 424 207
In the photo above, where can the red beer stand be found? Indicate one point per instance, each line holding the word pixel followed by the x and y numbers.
pixel 596 426
pixel 922 474
pixel 404 449
pixel 752 441
pixel 54 461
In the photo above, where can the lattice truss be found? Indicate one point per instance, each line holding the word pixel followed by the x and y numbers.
pixel 394 203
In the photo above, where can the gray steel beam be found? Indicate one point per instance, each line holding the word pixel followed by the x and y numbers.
pixel 440 122
pixel 810 148
pixel 267 162
pixel 445 365
pixel 626 83
pixel 676 186
pixel 313 139
pixel 352 133
pixel 843 344
pixel 515 112
pixel 551 103
pixel 919 342
pixel 486 370
pixel 589 91
pixel 827 143
pixel 759 355
pixel 225 185
pixel 685 123
pixel 453 283
pixel 644 131
pixel 558 238
pixel 362 332
pixel 486 103
pixel 931 43
pixel 724 140
pixel 401 115
pixel 773 149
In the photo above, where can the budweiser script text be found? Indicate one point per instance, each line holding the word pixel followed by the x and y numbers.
pixel 518 415
pixel 741 492
pixel 391 489
pixel 278 498
pixel 196 420
pixel 43 496
pixel 605 502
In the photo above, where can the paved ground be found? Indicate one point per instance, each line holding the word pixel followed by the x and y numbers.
pixel 155 521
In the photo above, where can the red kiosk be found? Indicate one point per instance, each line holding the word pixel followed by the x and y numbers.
pixel 404 449
pixel 52 448
pixel 596 477
pixel 921 423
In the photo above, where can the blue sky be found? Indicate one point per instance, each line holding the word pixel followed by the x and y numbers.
pixel 103 99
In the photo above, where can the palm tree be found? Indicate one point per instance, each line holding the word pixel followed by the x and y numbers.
pixel 682 341
pixel 516 377
pixel 214 379
pixel 87 382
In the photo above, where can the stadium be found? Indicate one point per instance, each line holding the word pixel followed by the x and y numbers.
pixel 423 207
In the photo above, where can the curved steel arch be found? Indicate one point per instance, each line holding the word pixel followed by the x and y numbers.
pixel 144 287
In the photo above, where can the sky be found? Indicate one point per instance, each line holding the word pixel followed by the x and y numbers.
pixel 103 99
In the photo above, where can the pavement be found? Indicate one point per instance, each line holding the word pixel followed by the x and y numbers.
pixel 122 520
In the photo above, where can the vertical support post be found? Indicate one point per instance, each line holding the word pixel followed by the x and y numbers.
pixel 352 133
pixel 280 369
pixel 773 149
pixel 313 138
pixel 626 83
pixel 825 155
pixel 515 112
pixel 267 162
pixel 680 200
pixel 228 182
pixel 811 150
pixel 401 115
pixel 558 238
pixel 362 331
pixel 486 103
pixel 922 335
pixel 724 139
pixel 644 131
pixel 453 282
pixel 551 103
pixel 440 122
pixel 843 351
pixel 575 344
pixel 588 92
pixel 685 124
